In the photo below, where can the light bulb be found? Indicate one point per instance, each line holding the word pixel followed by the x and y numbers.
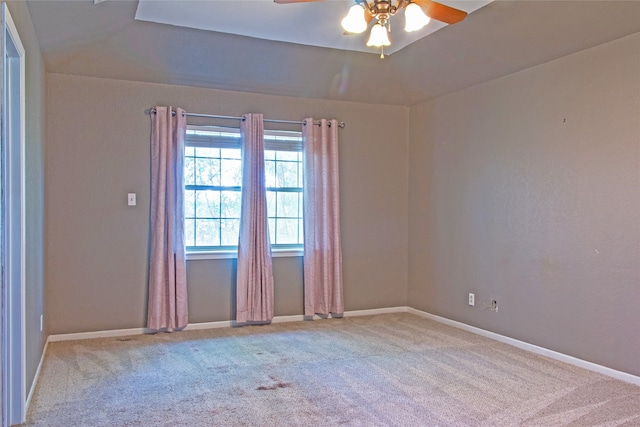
pixel 354 22
pixel 414 17
pixel 379 36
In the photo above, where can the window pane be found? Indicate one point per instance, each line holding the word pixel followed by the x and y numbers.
pixel 287 205
pixel 301 231
pixel 207 204
pixel 189 171
pixel 271 203
pixel 189 232
pixel 287 231
pixel 286 174
pixel 189 203
pixel 207 152
pixel 189 151
pixel 230 204
pixel 230 232
pixel 207 232
pixel 269 155
pixel 207 172
pixel 300 205
pixel 233 153
pixel 270 173
pixel 287 155
pixel 231 173
pixel 272 231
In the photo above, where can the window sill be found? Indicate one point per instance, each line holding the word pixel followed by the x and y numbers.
pixel 275 253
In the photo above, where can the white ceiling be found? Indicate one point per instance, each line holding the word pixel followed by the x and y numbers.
pixel 312 24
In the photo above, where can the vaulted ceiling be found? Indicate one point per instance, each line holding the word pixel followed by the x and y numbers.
pixel 105 40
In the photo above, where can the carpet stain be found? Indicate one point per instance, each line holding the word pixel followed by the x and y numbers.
pixel 274 387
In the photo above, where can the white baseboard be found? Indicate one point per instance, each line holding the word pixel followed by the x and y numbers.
pixel 623 376
pixel 401 309
pixel 286 319
pixel 370 312
pixel 208 325
pixel 96 334
pixel 233 323
pixel 35 379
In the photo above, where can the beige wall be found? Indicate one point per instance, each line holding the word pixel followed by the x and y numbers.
pixel 526 189
pixel 34 186
pixel 98 151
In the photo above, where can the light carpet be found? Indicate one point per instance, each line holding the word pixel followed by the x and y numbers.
pixel 384 370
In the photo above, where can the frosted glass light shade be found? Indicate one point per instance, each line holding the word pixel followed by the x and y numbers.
pixel 414 17
pixel 379 36
pixel 354 22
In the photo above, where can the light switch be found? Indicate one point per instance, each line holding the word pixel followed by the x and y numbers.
pixel 131 199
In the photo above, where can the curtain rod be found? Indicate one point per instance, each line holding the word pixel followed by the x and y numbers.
pixel 214 116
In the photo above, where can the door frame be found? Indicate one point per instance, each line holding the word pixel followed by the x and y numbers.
pixel 13 234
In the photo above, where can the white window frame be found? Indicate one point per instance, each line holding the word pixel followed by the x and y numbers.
pixel 273 141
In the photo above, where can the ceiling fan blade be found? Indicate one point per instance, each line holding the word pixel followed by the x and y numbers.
pixel 293 1
pixel 440 12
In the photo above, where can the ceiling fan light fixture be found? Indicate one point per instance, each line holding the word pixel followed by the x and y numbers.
pixel 379 36
pixel 415 19
pixel 355 22
pixel 417 13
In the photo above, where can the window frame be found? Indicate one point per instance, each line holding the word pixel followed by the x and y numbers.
pixel 229 138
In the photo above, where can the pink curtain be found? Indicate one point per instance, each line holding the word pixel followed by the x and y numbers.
pixel 254 287
pixel 167 305
pixel 322 248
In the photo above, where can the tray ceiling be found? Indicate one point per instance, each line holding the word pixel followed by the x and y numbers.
pixel 312 24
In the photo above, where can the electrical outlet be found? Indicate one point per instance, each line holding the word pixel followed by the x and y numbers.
pixel 472 299
pixel 131 199
pixel 494 305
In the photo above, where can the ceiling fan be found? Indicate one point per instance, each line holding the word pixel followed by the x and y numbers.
pixel 417 13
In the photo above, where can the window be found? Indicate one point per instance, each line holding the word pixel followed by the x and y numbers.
pixel 213 180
